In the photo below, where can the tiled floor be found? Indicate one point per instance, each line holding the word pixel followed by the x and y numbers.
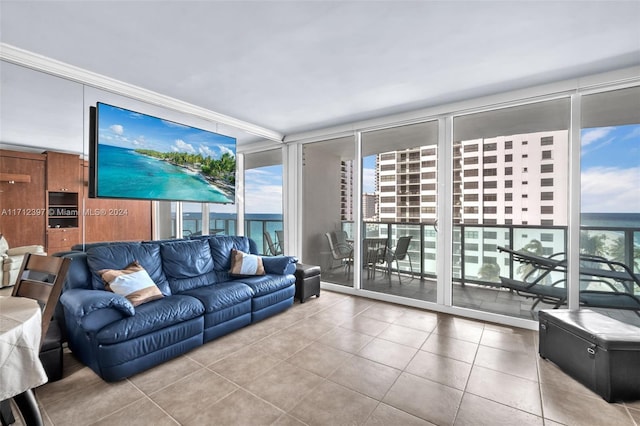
pixel 339 360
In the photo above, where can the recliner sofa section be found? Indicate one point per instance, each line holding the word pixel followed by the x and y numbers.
pixel 201 300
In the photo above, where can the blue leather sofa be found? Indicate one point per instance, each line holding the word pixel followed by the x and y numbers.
pixel 201 301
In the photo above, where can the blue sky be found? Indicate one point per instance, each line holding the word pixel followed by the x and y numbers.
pixel 369 174
pixel 128 129
pixel 610 169
pixel 263 190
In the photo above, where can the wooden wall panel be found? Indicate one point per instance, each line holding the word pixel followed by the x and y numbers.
pixel 115 219
pixel 22 204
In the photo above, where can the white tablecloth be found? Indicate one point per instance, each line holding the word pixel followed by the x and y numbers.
pixel 20 328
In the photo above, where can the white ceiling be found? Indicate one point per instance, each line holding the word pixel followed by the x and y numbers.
pixel 297 66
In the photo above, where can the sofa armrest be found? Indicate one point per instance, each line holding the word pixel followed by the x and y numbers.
pixel 81 303
pixel 25 249
pixel 279 265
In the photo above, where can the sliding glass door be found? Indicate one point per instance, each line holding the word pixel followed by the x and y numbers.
pixel 398 202
pixel 510 190
pixel 327 208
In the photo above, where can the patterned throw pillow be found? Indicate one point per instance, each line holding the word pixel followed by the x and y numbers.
pixel 132 282
pixel 244 264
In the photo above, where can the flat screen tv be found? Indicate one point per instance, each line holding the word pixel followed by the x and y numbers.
pixel 137 156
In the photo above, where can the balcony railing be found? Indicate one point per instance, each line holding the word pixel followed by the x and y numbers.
pixel 475 255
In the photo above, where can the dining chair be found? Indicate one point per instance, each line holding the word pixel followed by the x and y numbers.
pixel 41 278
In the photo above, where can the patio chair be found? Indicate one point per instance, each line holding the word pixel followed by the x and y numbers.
pixel 536 283
pixel 400 252
pixel 280 240
pixel 341 252
pixel 274 249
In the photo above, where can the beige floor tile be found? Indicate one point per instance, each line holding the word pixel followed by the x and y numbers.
pixel 477 411
pixel 633 404
pixel 452 348
pixel 164 374
pixel 522 341
pixel 386 415
pixel 187 398
pixel 456 328
pixel 84 378
pixel 287 420
pixel 312 329
pixel 440 369
pixel 365 376
pixel 284 385
pixel 519 364
pixel 239 408
pixel 423 398
pixel 506 389
pixel 354 305
pixel 332 404
pixel 577 409
pixel 319 359
pixel 365 325
pixel 92 403
pixel 245 365
pixel 388 353
pixel 551 374
pixel 404 335
pixel 420 320
pixel 333 316
pixel 140 413
pixel 282 344
pixel 345 339
pixel 384 312
pixel 219 348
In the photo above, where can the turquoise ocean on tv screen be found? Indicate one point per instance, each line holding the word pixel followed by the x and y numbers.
pixel 123 171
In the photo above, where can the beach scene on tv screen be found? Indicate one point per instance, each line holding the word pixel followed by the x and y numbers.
pixel 145 157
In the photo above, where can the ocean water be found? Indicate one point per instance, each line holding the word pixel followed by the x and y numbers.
pixel 123 173
pixel 613 220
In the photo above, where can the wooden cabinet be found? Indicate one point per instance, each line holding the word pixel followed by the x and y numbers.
pixel 64 184
pixel 22 198
pixel 63 173
pixel 61 239
pixel 43 200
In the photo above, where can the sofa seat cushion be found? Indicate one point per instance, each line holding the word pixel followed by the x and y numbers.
pixel 118 256
pixel 150 317
pixel 187 264
pixel 220 296
pixel 266 284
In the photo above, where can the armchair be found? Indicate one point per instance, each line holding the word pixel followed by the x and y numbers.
pixel 12 260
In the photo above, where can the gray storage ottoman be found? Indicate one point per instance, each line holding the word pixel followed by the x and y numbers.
pixel 307 281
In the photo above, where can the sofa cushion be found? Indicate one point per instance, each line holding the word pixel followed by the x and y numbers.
pixel 245 264
pixel 221 250
pixel 220 296
pixel 117 256
pixel 132 282
pixel 152 316
pixel 268 283
pixel 187 264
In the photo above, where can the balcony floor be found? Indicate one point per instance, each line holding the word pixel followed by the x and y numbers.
pixel 472 296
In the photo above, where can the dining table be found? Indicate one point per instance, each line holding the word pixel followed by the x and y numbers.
pixel 20 368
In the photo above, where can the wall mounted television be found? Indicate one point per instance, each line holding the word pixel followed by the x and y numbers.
pixel 138 156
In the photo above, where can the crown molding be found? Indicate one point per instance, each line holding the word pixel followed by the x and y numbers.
pixel 54 67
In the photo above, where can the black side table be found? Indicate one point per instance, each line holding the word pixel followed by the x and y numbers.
pixel 307 281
